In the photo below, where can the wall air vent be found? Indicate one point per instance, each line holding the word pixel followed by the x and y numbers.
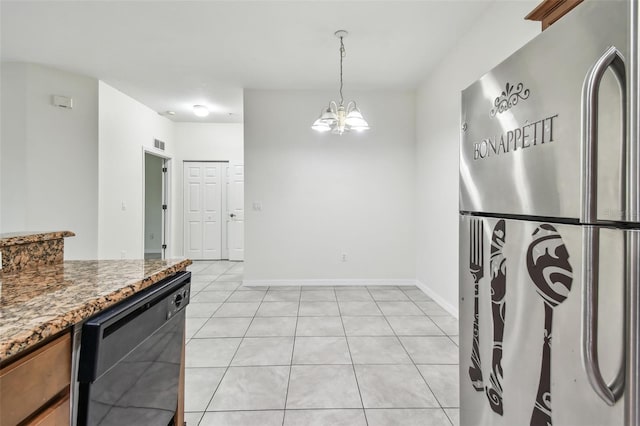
pixel 158 144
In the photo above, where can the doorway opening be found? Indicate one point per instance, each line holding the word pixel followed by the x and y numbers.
pixel 155 205
pixel 213 210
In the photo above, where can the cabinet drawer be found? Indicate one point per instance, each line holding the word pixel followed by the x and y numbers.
pixel 31 381
pixel 56 415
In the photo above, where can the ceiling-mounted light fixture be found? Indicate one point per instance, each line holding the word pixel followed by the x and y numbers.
pixel 200 110
pixel 338 118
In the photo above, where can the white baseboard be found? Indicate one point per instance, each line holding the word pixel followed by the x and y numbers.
pixel 453 310
pixel 330 282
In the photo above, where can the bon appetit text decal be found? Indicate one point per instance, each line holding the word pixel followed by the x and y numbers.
pixel 530 134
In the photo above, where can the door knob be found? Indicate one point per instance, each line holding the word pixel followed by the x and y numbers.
pixel 232 215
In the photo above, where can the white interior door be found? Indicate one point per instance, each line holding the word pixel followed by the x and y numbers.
pixel 235 206
pixel 202 210
pixel 212 212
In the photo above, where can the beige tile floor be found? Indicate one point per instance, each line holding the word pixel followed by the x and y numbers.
pixel 316 356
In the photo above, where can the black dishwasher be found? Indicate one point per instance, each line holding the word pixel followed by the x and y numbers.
pixel 129 366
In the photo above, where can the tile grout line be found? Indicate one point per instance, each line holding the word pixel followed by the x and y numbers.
pixel 212 314
pixel 323 409
pixel 234 354
pixel 227 368
pixel 422 375
pixel 353 366
pixel 293 350
pixel 316 364
pixel 429 316
pixel 407 352
pixel 208 318
pixel 295 335
pixel 436 324
pixel 449 417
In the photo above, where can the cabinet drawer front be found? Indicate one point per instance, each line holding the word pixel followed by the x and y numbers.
pixel 31 381
pixel 56 415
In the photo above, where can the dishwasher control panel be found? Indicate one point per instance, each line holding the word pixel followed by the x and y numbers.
pixel 178 300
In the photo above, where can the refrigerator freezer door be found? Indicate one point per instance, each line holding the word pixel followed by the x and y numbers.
pixel 527 347
pixel 520 151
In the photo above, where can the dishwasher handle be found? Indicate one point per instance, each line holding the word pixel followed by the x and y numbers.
pixel 112 334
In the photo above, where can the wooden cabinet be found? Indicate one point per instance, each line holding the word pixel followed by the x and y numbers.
pixel 549 11
pixel 57 414
pixel 35 387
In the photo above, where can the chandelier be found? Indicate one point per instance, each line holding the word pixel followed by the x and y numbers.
pixel 338 118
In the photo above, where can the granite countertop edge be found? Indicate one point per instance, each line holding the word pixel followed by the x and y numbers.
pixel 19 343
pixel 17 238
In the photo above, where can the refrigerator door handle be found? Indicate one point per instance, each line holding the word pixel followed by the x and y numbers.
pixel 613 391
pixel 611 59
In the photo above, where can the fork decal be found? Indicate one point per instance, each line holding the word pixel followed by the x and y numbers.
pixel 498 269
pixel 476 268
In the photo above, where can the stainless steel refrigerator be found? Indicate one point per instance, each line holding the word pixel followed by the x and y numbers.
pixel 550 228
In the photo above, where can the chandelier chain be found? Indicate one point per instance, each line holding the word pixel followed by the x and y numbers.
pixel 343 53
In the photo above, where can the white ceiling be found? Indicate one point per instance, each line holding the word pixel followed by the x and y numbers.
pixel 170 55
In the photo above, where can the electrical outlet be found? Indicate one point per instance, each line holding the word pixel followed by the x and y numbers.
pixel 123 254
pixel 344 257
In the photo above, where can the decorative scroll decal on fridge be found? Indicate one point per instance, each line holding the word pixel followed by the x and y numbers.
pixel 509 97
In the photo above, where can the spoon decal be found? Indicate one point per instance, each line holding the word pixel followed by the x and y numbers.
pixel 550 270
pixel 498 270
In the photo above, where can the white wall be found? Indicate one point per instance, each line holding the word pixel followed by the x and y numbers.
pixel 202 142
pixel 126 126
pixel 49 155
pixel 499 32
pixel 13 147
pixel 209 141
pixel 323 195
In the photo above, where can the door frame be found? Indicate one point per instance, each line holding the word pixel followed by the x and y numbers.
pixel 224 216
pixel 166 228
